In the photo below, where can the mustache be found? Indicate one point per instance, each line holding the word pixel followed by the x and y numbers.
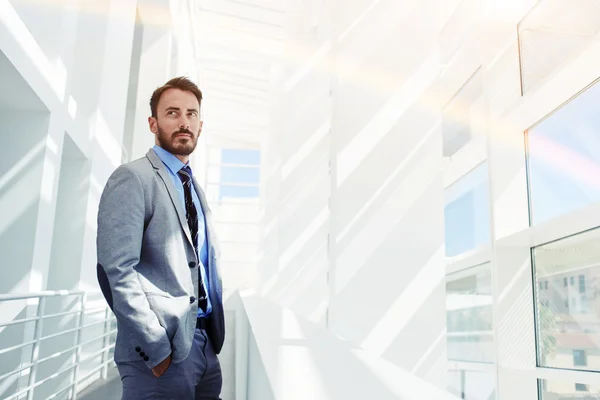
pixel 183 130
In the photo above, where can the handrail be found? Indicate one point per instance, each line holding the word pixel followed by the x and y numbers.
pixel 81 310
pixel 47 293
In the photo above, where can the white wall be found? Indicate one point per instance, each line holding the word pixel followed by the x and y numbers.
pixel 354 215
pixel 379 75
pixel 66 98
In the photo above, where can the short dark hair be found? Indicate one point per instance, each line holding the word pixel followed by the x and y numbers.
pixel 181 83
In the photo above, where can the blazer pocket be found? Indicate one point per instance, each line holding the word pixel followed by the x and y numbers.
pixel 168 310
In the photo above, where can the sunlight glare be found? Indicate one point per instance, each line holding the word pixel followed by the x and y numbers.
pixel 407 304
pixel 383 121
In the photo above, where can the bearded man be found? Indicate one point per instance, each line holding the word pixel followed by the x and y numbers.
pixel 158 260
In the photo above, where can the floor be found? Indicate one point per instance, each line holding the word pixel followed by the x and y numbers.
pixel 103 389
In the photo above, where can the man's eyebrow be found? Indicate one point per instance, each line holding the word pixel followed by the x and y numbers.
pixel 178 109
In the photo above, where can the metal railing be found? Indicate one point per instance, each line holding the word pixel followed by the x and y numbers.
pixel 31 368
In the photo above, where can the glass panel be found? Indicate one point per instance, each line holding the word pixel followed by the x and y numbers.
pixel 467 212
pixel 472 385
pixel 469 315
pixel 240 156
pixel 240 175
pixel 462 117
pixel 564 158
pixel 234 175
pixel 239 191
pixel 552 32
pixel 568 316
pixel 564 390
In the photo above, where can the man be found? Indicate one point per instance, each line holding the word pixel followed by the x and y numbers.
pixel 157 261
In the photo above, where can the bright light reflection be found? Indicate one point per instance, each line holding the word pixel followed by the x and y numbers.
pixel 106 140
pixel 292 251
pixel 384 120
pixel 406 305
pixel 48 180
pixel 307 148
pixel 509 11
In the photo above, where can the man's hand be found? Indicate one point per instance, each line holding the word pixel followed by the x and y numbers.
pixel 162 367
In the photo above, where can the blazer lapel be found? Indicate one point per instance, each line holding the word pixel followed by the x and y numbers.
pixel 166 178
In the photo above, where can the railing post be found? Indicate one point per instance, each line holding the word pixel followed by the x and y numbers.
pixel 105 343
pixel 35 352
pixel 78 344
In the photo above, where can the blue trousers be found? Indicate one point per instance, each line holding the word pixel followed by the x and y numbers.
pixel 198 377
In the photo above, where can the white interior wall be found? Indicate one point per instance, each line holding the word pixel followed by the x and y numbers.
pixel 297 169
pixel 65 74
pixel 386 264
pixel 388 293
pixel 364 241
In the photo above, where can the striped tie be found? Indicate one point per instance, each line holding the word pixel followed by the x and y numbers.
pixel 191 214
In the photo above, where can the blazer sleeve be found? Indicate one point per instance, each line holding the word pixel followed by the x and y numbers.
pixel 120 233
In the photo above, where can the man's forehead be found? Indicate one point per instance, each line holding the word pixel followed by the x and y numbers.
pixel 176 97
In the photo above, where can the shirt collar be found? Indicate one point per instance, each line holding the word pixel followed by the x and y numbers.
pixel 173 163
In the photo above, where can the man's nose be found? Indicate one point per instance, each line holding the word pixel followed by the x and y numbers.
pixel 184 122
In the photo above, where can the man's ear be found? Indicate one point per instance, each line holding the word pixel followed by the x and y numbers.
pixel 153 125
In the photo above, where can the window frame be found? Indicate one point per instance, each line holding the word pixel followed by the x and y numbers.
pixel 513 236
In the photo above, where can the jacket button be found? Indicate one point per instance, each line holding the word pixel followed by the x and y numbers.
pixel 146 358
pixel 138 349
pixel 192 299
pixel 142 354
pixel 192 264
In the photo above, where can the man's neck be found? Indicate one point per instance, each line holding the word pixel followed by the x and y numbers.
pixel 184 159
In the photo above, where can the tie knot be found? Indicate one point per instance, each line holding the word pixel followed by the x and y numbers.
pixel 185 174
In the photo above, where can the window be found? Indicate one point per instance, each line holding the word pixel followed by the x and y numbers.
pixel 579 358
pixel 581 283
pixel 552 32
pixel 469 315
pixel 467 212
pixel 566 282
pixel 240 156
pixel 233 174
pixel 563 158
pixel 546 285
pixel 460 115
pixel 561 329
pixel 565 390
pixel 584 304
pixel 580 387
pixel 572 280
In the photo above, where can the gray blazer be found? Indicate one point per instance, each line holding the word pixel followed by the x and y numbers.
pixel 147 267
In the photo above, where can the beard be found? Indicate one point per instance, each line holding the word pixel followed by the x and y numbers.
pixel 178 146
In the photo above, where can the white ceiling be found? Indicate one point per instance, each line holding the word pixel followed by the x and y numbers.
pixel 238 41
